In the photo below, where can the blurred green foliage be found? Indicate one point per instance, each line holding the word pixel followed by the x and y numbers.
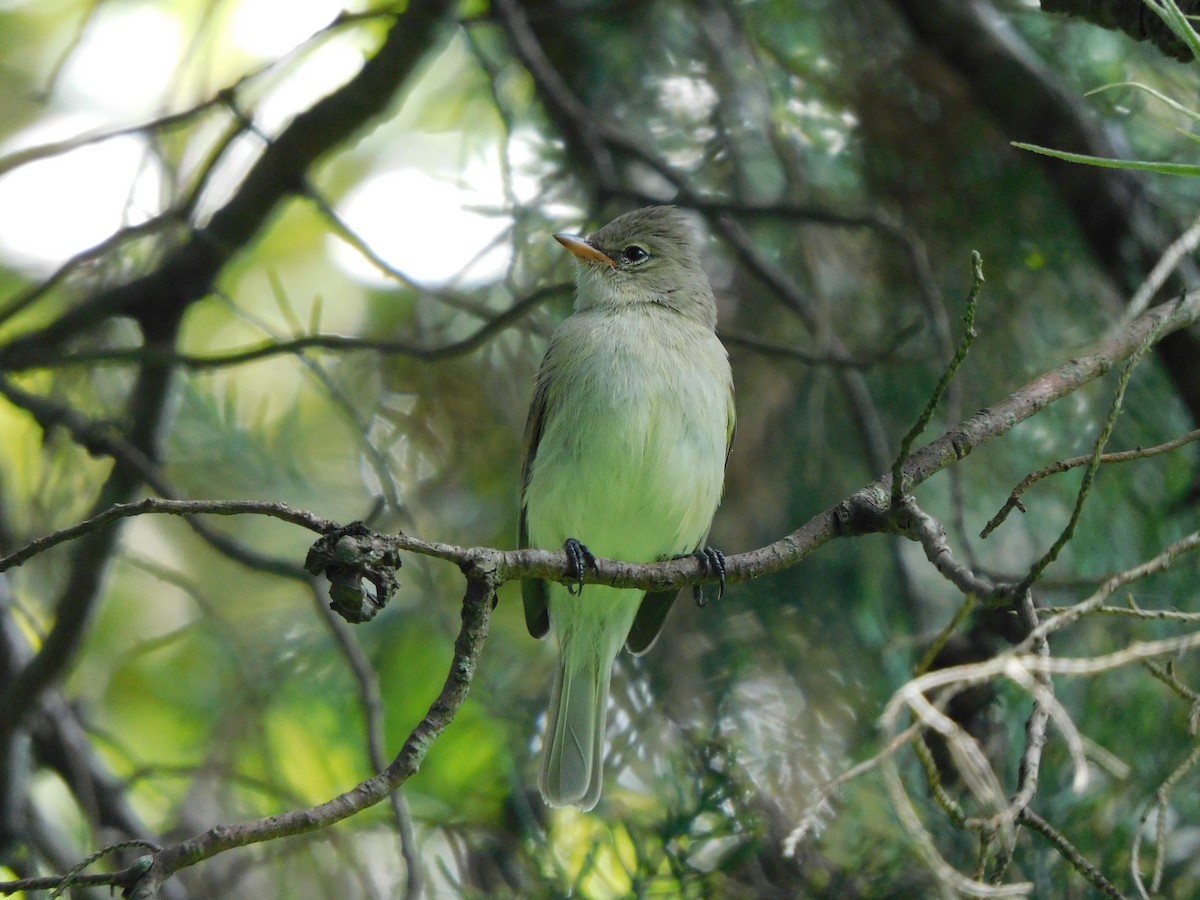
pixel 217 692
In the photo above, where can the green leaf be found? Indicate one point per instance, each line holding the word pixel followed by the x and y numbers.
pixel 1159 95
pixel 1177 22
pixel 1162 168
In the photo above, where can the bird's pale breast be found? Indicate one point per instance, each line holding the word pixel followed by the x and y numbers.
pixel 632 452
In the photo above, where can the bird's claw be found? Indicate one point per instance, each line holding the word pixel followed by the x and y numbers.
pixel 712 561
pixel 579 557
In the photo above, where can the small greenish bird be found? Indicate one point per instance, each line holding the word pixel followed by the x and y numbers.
pixel 626 443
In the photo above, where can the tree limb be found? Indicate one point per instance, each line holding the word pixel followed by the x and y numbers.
pixel 188 272
pixel 481 573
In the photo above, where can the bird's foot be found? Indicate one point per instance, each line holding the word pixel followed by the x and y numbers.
pixel 712 561
pixel 579 557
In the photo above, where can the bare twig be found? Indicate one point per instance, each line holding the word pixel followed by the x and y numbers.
pixel 1159 807
pixel 159 356
pixel 154 505
pixel 1064 465
pixel 1066 849
pixel 477 608
pixel 932 537
pixel 1035 730
pixel 1165 615
pixel 1131 363
pixel 867 510
pixel 960 355
pixel 145 878
pixel 371 701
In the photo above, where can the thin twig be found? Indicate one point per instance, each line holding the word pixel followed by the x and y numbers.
pixel 867 510
pixel 1168 615
pixel 1064 465
pixel 371 700
pixel 1035 730
pixel 1066 849
pixel 952 368
pixel 155 505
pixel 476 617
pixel 917 523
pixel 1093 466
pixel 157 356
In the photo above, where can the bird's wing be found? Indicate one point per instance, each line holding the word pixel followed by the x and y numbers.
pixel 649 621
pixel 653 612
pixel 533 590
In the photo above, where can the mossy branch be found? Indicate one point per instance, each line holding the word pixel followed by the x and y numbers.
pixel 956 362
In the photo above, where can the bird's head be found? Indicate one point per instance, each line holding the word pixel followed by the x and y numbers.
pixel 644 256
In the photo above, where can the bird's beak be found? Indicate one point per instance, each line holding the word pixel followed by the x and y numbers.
pixel 583 250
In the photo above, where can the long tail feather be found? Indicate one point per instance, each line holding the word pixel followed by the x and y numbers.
pixel 573 761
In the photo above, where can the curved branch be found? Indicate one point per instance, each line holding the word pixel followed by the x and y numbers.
pixel 868 510
pixel 482 581
pixel 160 356
pixel 1064 465
pixel 152 505
pixel 370 698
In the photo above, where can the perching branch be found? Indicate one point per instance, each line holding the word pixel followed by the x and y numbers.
pixel 478 601
pixel 864 512
pixel 371 701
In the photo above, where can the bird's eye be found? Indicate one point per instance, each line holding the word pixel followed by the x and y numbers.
pixel 634 254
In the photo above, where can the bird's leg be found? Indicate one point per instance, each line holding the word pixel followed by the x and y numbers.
pixel 579 557
pixel 712 561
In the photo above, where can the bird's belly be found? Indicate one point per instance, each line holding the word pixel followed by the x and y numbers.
pixel 624 504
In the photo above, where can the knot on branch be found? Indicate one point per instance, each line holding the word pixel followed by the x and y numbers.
pixel 482 564
pixel 865 512
pixel 361 567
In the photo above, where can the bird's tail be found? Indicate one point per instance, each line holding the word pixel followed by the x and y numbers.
pixel 573 760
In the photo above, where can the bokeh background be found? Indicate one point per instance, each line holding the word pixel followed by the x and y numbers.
pixel 395 266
